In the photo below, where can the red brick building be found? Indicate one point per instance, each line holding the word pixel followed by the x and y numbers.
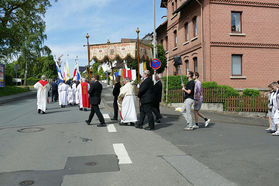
pixel 232 42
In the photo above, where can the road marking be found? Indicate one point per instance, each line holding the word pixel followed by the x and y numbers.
pixel 111 128
pixel 106 116
pixel 121 153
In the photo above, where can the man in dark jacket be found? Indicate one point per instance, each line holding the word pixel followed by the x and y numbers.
pixel 146 98
pixel 95 92
pixel 54 91
pixel 157 91
pixel 115 92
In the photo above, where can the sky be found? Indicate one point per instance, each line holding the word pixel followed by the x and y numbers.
pixel 68 21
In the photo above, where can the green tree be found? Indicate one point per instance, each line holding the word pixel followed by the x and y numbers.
pixel 15 17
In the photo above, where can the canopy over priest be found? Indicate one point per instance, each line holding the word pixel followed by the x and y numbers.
pixel 42 87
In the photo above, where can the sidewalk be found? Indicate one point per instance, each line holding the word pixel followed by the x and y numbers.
pixel 7 99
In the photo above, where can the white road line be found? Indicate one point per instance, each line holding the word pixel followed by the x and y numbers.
pixel 122 154
pixel 106 116
pixel 111 128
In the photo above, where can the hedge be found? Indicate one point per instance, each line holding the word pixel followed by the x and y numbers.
pixel 251 92
pixel 32 80
pixel 174 82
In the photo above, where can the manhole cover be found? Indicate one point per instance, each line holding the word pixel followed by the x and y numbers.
pixel 30 130
pixel 91 163
pixel 27 182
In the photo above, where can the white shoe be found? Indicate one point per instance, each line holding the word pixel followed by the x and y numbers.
pixel 195 127
pixel 275 133
pixel 188 128
pixel 207 122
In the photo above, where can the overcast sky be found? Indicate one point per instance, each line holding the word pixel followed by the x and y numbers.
pixel 68 21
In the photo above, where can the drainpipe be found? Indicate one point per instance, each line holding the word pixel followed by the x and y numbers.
pixel 202 40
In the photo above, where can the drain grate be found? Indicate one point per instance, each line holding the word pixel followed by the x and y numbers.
pixel 26 182
pixel 91 163
pixel 30 130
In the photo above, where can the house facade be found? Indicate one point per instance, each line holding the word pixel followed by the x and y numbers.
pixel 232 42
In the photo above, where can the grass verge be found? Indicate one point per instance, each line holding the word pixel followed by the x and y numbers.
pixel 11 90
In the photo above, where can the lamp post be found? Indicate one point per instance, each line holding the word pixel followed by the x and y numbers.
pixel 138 31
pixel 88 48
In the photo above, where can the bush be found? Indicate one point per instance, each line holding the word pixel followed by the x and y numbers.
pixel 8 79
pixel 32 80
pixel 229 91
pixel 209 84
pixel 251 92
pixel 174 82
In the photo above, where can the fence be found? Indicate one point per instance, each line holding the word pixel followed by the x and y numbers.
pixel 217 95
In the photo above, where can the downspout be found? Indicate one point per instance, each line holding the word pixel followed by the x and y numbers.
pixel 202 40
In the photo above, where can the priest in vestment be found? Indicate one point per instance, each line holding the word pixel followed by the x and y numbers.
pixel 127 102
pixel 42 87
pixel 63 94
pixel 82 89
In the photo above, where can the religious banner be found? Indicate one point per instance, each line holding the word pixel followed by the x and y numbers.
pixel 2 75
pixel 119 52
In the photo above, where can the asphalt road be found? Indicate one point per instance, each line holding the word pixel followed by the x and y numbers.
pixel 58 148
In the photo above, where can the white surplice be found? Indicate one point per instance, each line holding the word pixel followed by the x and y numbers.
pixel 63 94
pixel 70 95
pixel 42 95
pixel 127 103
pixel 74 87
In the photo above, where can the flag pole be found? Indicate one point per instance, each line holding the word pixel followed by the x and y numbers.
pixel 138 31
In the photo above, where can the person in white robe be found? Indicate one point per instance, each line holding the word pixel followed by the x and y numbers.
pixel 63 91
pixel 74 87
pixel 59 95
pixel 76 92
pixel 71 95
pixel 42 87
pixel 127 103
pixel 83 95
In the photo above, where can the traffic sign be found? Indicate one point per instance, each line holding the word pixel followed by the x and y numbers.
pixel 155 64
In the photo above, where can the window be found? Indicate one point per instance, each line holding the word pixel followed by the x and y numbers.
pixel 162 42
pixel 175 38
pixel 187 66
pixel 175 4
pixel 167 43
pixel 195 64
pixel 236 65
pixel 195 27
pixel 236 22
pixel 186 32
pixel 172 4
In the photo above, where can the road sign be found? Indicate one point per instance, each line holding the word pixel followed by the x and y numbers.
pixel 155 64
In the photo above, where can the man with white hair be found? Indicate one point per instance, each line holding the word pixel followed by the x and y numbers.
pixel 127 102
pixel 82 89
pixel 42 87
pixel 146 98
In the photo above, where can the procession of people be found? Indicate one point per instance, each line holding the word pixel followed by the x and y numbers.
pixel 88 96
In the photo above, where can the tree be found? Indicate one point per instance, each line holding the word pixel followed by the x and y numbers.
pixel 15 17
pixel 161 55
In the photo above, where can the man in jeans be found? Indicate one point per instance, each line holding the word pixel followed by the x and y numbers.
pixel 198 100
pixel 189 101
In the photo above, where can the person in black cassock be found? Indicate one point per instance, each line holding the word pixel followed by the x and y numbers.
pixel 95 92
pixel 115 92
pixel 157 91
pixel 146 98
pixel 54 91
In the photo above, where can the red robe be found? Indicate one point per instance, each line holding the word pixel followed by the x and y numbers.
pixel 85 98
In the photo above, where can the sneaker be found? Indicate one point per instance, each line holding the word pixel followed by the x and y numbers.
pixel 275 133
pixel 188 128
pixel 195 127
pixel 268 129
pixel 207 122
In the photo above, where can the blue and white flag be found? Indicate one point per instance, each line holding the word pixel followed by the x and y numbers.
pixel 60 77
pixel 76 75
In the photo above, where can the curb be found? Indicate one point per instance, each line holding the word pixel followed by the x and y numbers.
pixel 11 98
